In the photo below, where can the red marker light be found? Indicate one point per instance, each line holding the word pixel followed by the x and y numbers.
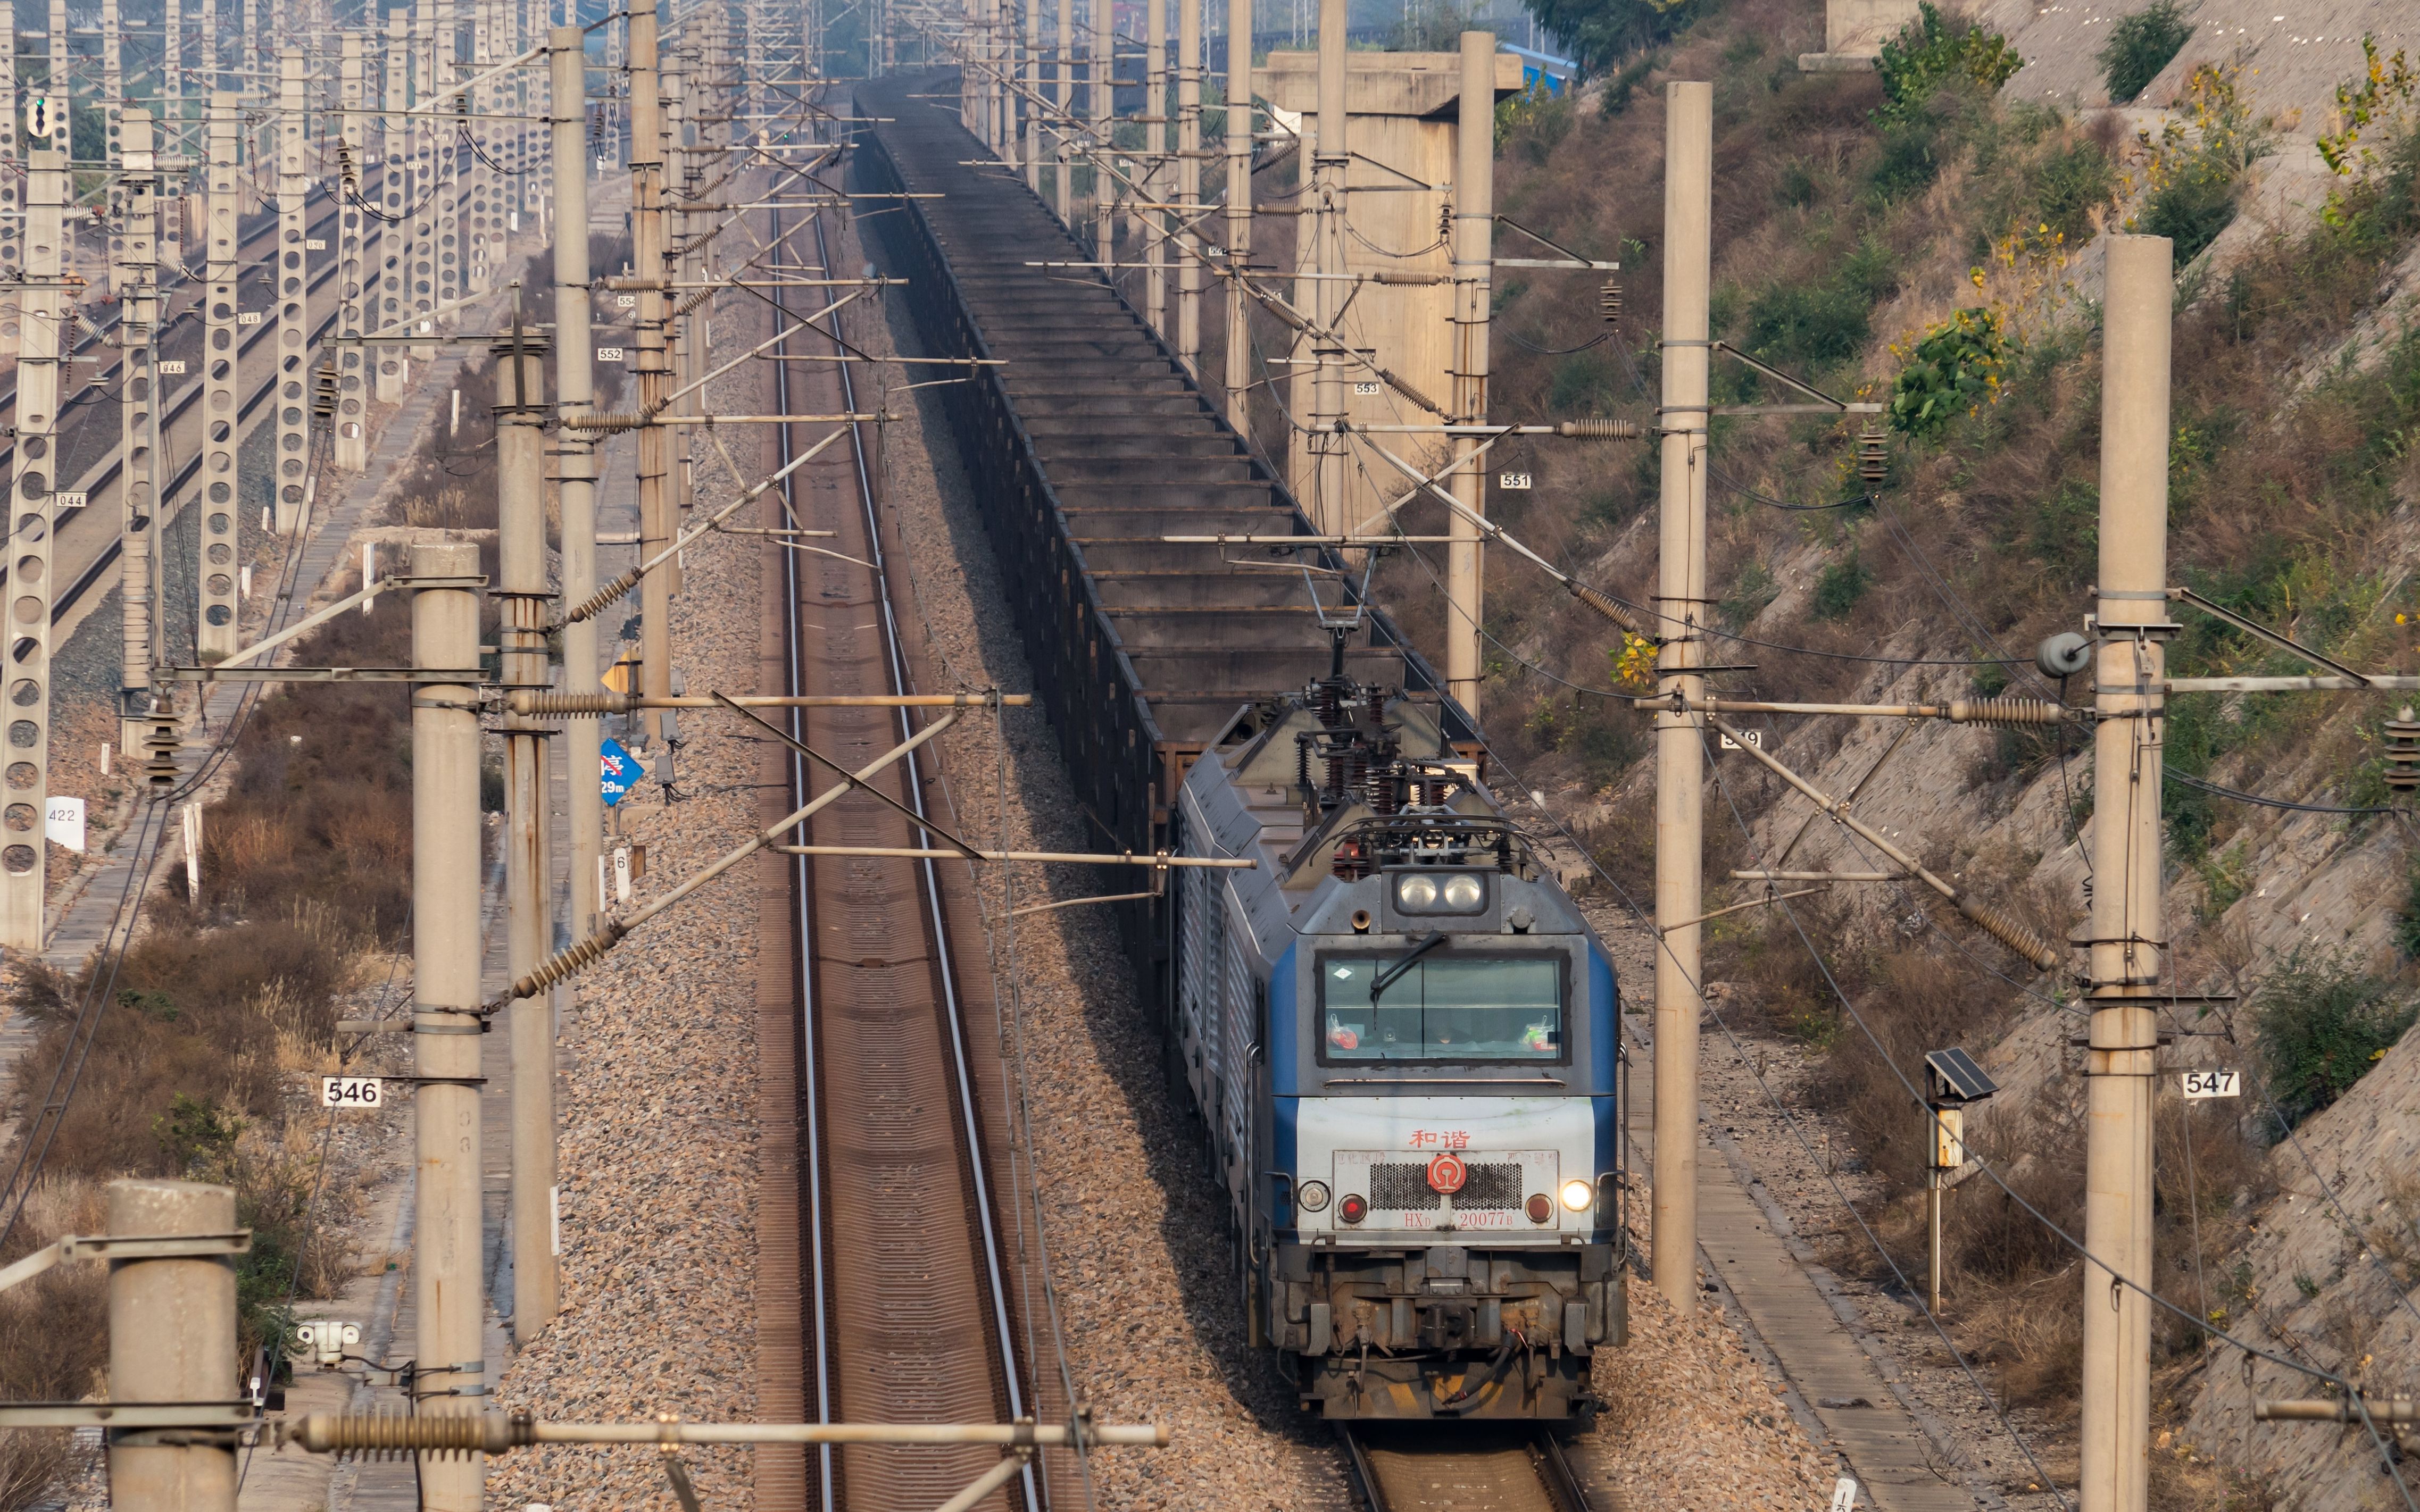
pixel 1541 1207
pixel 1353 1209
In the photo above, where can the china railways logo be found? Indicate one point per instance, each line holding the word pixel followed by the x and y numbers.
pixel 1446 1173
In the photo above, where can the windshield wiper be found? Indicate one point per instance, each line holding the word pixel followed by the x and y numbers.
pixel 1387 978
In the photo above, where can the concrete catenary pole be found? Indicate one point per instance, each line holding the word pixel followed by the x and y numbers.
pixel 1155 177
pixel 1187 179
pixel 529 923
pixel 2128 929
pixel 426 175
pixel 1239 211
pixel 13 191
pixel 22 851
pixel 575 392
pixel 655 441
pixel 446 1248
pixel 1330 163
pixel 1102 93
pixel 172 1339
pixel 394 234
pixel 452 252
pixel 222 507
pixel 1680 756
pixel 134 247
pixel 1474 245
pixel 1032 102
pixel 351 450
pixel 1063 124
pixel 293 307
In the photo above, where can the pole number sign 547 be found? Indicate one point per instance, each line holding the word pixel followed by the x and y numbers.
pixel 2199 1085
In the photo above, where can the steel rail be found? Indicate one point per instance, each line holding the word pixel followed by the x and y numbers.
pixel 929 875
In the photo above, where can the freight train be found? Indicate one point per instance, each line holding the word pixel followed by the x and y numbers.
pixel 1405 1042
pixel 1401 1036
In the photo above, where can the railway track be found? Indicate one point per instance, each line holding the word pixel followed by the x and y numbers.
pixel 908 1312
pixel 1480 1470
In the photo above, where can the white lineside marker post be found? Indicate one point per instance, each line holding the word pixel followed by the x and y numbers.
pixel 2127 934
pixel 1680 755
pixel 190 816
pixel 369 572
pixel 104 757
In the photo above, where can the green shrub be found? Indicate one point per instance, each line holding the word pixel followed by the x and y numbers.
pixel 1840 585
pixel 2191 208
pixel 1909 161
pixel 1935 51
pixel 1956 366
pixel 2320 1023
pixel 1823 323
pixel 1815 325
pixel 2070 185
pixel 2194 169
pixel 2140 46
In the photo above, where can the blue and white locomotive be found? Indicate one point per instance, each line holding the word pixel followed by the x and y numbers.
pixel 1404 1040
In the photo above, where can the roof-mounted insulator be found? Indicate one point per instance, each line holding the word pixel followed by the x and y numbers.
pixel 1608 300
pixel 2403 751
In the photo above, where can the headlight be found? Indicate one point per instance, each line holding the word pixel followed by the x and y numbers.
pixel 1416 893
pixel 1463 892
pixel 1311 1196
pixel 1578 1194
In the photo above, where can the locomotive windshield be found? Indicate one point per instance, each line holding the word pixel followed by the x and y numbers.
pixel 1441 1007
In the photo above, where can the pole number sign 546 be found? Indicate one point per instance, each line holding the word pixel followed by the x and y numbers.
pixel 351 1092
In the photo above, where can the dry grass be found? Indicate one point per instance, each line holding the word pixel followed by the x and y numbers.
pixel 53 1334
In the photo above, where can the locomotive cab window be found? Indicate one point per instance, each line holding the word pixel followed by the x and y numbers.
pixel 1438 1007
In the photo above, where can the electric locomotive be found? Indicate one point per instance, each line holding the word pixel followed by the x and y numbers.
pixel 1404 1040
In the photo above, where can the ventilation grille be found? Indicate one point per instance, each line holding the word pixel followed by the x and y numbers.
pixel 1402 1188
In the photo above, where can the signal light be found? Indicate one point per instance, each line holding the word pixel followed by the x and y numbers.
pixel 1577 1194
pixel 1541 1207
pixel 1353 1209
pixel 2403 751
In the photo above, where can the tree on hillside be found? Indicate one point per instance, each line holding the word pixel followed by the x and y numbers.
pixel 1598 33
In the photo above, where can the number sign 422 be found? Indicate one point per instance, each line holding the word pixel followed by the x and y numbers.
pixel 351 1092
pixel 2199 1085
